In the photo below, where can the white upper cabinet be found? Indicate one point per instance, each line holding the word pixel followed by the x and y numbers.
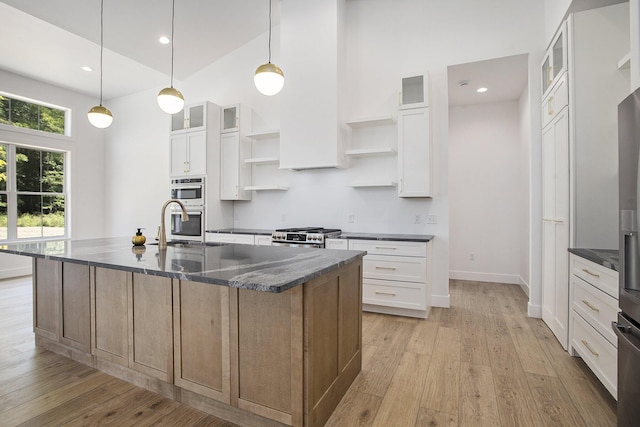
pixel 312 56
pixel 414 153
pixel 414 92
pixel 555 60
pixel 235 118
pixel 189 154
pixel 191 118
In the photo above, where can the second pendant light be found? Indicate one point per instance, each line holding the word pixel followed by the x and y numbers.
pixel 170 99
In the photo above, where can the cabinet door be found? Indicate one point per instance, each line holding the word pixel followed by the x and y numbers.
pixel 46 298
pixel 197 153
pixel 234 173
pixel 201 325
pixel 110 315
pixel 151 326
pixel 414 92
pixel 76 306
pixel 414 153
pixel 178 155
pixel 555 238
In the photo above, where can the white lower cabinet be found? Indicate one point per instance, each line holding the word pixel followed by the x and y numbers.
pixel 395 276
pixel 262 240
pixel 239 239
pixel 593 308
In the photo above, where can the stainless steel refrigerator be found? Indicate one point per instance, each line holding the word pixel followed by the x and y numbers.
pixel 627 327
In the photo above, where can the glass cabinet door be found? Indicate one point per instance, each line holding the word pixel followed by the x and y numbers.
pixel 413 92
pixel 178 120
pixel 196 116
pixel 558 56
pixel 546 74
pixel 230 119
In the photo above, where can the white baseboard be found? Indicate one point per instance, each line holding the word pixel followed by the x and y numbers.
pixel 474 276
pixel 524 286
pixel 534 311
pixel 440 301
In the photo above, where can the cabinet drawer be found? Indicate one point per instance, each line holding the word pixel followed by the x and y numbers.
pixel 241 239
pixel 597 353
pixel 404 269
pixel 262 240
pixel 596 307
pixel 336 244
pixel 557 99
pixel 382 247
pixel 394 294
pixel 602 278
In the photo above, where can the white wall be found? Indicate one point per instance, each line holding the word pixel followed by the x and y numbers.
pixel 524 197
pixel 385 40
pixel 86 148
pixel 485 192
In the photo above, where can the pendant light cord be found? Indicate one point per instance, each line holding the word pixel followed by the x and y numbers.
pixel 101 44
pixel 269 31
pixel 173 19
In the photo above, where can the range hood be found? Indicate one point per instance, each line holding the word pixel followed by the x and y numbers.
pixel 312 55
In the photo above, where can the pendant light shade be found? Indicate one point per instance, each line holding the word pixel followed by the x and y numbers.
pixel 100 116
pixel 269 78
pixel 170 99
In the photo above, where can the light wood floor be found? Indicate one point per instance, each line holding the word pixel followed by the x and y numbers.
pixel 482 362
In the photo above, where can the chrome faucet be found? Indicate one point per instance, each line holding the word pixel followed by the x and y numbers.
pixel 162 242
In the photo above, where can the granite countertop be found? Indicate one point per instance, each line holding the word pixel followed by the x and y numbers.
pixel 382 236
pixel 259 268
pixel 605 257
pixel 242 231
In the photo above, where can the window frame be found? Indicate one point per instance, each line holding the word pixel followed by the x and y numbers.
pixel 13 193
pixel 67 118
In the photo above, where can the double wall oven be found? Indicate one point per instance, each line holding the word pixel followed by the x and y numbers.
pixel 190 191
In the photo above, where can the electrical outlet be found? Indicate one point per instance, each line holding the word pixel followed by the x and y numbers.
pixel 417 219
pixel 432 219
pixel 352 217
pixel 283 217
pixel 472 256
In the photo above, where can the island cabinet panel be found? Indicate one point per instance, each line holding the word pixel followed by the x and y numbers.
pixel 151 326
pixel 46 298
pixel 201 344
pixel 270 354
pixel 75 306
pixel 110 329
pixel 332 340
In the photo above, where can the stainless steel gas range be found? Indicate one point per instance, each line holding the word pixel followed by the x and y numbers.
pixel 306 237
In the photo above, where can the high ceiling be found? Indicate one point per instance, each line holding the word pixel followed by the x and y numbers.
pixel 51 40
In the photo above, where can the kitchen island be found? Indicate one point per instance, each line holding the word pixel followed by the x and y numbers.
pixel 255 335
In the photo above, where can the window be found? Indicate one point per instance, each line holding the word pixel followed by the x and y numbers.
pixel 32 193
pixel 30 115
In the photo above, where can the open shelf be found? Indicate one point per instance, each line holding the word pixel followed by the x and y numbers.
pixel 263 161
pixel 373 184
pixel 264 134
pixel 266 188
pixel 371 152
pixel 371 121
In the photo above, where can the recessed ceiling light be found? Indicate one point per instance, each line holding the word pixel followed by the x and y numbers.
pixel 164 40
pixel 482 89
pixel 85 68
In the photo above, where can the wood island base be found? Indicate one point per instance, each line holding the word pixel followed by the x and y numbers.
pixel 252 358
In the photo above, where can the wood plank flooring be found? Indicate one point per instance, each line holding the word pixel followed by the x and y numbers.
pixel 482 362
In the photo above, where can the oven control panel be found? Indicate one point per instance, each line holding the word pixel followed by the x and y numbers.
pixel 282 236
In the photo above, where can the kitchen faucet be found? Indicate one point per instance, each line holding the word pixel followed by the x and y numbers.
pixel 162 242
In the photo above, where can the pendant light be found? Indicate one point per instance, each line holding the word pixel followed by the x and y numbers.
pixel 100 116
pixel 269 78
pixel 170 99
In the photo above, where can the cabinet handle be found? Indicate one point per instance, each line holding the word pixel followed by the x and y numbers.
pixel 393 294
pixel 186 167
pixel 393 248
pixel 588 304
pixel 586 270
pixel 586 344
pixel 549 75
pixel 549 109
pixel 380 267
